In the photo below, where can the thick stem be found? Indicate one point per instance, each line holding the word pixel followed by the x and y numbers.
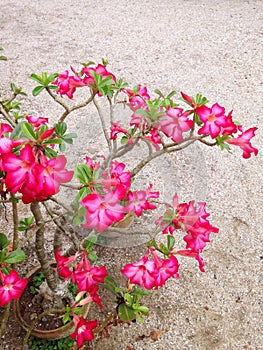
pixel 40 247
pixel 103 125
pixel 5 319
pixel 4 112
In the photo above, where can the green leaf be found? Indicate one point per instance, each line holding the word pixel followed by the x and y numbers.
pixel 171 94
pixel 128 298
pixel 143 309
pixel 28 131
pixel 37 78
pixel 50 153
pixel 170 242
pixel 126 313
pixel 92 257
pixel 36 91
pixel 110 285
pixel 61 128
pixel 3 241
pixel 140 292
pixel 15 256
pixel 83 173
pixel 91 240
pixel 53 141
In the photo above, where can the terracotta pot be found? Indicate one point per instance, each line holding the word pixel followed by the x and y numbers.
pixel 52 334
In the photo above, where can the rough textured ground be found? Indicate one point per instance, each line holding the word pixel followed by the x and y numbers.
pixel 196 46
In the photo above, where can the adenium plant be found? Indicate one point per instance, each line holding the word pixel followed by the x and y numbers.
pixel 33 167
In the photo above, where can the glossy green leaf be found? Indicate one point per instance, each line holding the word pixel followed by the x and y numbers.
pixel 15 256
pixel 126 313
pixel 36 91
pixel 28 131
pixel 3 241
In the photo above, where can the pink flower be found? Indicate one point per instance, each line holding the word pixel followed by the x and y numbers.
pixel 174 123
pixel 194 222
pixel 192 254
pixel 213 118
pixel 151 274
pixel 188 99
pixel 243 141
pixel 154 138
pixel 6 144
pixel 115 129
pixel 52 174
pixel 19 168
pixel 100 69
pixel 83 331
pixel 141 272
pixel 165 269
pixel 86 276
pixel 12 287
pixel 91 164
pixel 67 84
pixel 139 201
pixel 63 264
pixel 118 177
pixel 198 235
pixel 230 127
pixel 36 121
pixel 102 211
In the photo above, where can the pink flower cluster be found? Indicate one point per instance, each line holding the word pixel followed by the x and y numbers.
pixel 87 278
pixel 27 169
pixel 67 84
pixel 174 122
pixel 115 198
pixel 151 273
pixel 194 222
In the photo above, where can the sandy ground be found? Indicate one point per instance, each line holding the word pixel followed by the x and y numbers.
pixel 212 47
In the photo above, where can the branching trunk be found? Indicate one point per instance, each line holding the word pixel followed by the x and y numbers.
pixel 40 248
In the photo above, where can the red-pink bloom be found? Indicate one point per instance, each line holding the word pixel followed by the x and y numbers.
pixel 154 138
pixel 174 123
pixel 100 69
pixel 12 287
pixel 198 235
pixel 137 91
pixel 19 168
pixel 86 276
pixel 118 177
pixel 139 201
pixel 52 174
pixel 102 211
pixel 46 179
pixel 91 164
pixel 83 331
pixel 243 141
pixel 67 84
pixel 141 272
pixel 63 264
pixel 230 127
pixel 137 98
pixel 195 255
pixel 213 118
pixel 188 99
pixel 36 121
pixel 6 144
pixel 115 129
pixel 165 269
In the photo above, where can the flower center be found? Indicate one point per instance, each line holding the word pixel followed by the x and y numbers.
pixel 211 118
